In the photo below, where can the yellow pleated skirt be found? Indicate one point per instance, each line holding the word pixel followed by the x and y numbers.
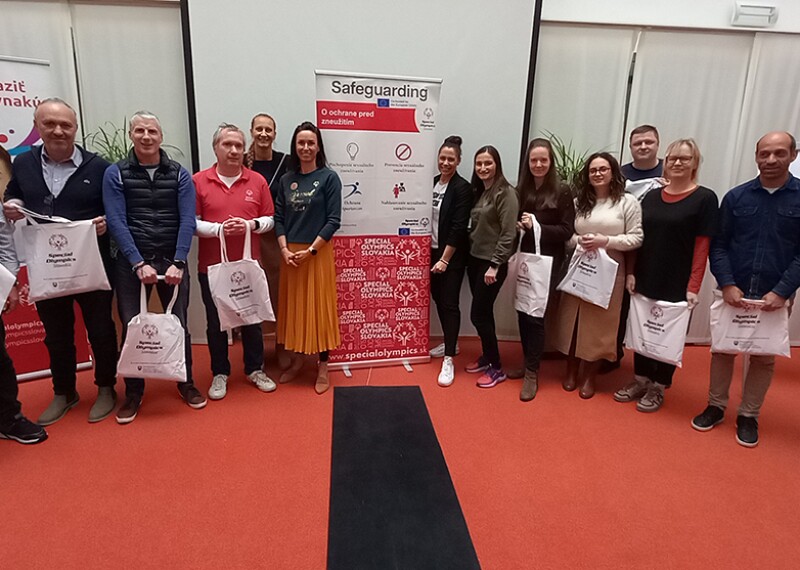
pixel 308 320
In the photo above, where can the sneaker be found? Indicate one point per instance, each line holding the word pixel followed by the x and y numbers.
pixel 710 417
pixel 448 372
pixel 58 408
pixel 632 391
pixel 653 398
pixel 491 378
pixel 747 431
pixel 478 366
pixel 128 410
pixel 192 396
pixel 219 387
pixel 262 381
pixel 438 351
pixel 23 430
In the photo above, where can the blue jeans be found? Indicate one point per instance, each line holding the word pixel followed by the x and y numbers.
pixel 252 337
pixel 128 289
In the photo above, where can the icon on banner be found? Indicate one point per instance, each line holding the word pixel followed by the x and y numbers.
pixel 407 251
pixel 383 102
pixel 428 112
pixel 353 190
pixel 4 137
pixel 403 152
pixel 398 189
pixel 424 222
pixel 404 333
pixel 352 150
pixel 406 293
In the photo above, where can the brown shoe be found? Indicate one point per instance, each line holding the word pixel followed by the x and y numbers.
pixel 322 384
pixel 530 385
pixel 589 375
pixel 570 382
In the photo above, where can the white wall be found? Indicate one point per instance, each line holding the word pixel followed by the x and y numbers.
pixel 258 56
pixel 41 30
pixel 706 14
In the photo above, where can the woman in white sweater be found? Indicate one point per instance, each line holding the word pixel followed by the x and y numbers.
pixel 605 217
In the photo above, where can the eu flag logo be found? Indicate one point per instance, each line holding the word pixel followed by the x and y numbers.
pixel 383 102
pixel 404 231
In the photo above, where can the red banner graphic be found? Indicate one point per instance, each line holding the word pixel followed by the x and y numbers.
pixel 25 336
pixel 383 299
pixel 349 116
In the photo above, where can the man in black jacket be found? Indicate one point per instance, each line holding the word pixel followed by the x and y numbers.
pixel 60 178
pixel 150 201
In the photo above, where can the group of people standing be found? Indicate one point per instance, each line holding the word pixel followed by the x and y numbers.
pixel 651 217
pixel 654 219
pixel 150 207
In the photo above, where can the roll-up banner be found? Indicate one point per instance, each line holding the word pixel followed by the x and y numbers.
pixel 379 135
pixel 24 82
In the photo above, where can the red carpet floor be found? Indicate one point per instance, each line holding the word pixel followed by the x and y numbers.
pixel 556 483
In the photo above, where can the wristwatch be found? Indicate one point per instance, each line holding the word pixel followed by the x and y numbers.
pixel 180 264
pixel 311 250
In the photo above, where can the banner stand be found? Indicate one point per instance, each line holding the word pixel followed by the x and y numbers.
pixel 379 133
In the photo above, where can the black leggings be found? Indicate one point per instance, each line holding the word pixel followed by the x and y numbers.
pixel 446 292
pixel 482 312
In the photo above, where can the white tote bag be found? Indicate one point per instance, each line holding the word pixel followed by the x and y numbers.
pixel 7 280
pixel 154 345
pixel 239 288
pixel 657 329
pixel 63 257
pixel 749 330
pixel 590 276
pixel 530 273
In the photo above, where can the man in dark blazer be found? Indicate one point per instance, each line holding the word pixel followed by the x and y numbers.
pixel 60 178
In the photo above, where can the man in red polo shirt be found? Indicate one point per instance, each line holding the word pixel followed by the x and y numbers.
pixel 230 197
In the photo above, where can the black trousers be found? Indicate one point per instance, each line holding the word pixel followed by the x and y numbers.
pixel 58 318
pixel 128 291
pixel 446 291
pixel 252 337
pixel 482 312
pixel 531 334
pixel 623 323
pixel 655 370
pixel 9 391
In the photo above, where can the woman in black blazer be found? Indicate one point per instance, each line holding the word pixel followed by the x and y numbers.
pixel 452 203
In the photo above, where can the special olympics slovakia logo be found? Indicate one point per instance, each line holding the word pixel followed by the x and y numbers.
pixel 656 312
pixel 149 331
pixel 58 241
pixel 525 268
pixel 591 255
pixel 238 277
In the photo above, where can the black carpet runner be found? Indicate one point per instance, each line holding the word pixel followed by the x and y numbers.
pixel 393 505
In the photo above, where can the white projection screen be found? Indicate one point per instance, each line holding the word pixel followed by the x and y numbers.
pixel 253 56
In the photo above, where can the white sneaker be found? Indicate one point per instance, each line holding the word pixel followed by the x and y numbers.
pixel 262 381
pixel 219 387
pixel 438 351
pixel 448 372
